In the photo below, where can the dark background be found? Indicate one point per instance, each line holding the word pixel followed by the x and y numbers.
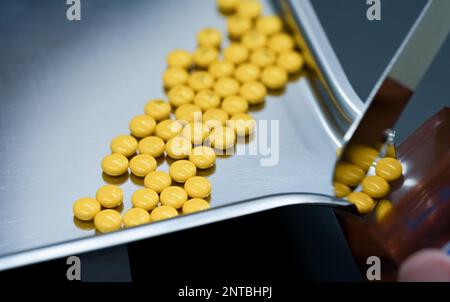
pixel 284 245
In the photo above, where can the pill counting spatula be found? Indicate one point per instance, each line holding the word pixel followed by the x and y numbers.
pixel 315 116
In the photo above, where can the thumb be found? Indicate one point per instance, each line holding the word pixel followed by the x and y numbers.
pixel 429 265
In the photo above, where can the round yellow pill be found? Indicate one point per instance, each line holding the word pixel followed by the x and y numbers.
pixel 247 72
pixel 360 155
pixel 182 170
pixel 142 126
pixel 222 137
pixel 135 216
pixel 207 99
pixel 269 25
pixel 375 186
pixel 168 128
pixel 363 202
pixel 197 187
pixel 203 157
pixel 236 53
pixel 157 180
pixel 274 77
pixel 235 104
pixel 152 145
pixel 175 76
pixel 249 9
pixel 124 144
pixel 179 58
pixel 195 205
pixel 142 164
pixel 389 168
pixel 237 26
pixel 227 6
pixel 146 199
pixel 341 190
pixel 174 197
pixel 163 212
pixel 225 87
pixel 201 80
pixel 107 221
pixel 281 42
pixel 215 117
pixel 243 124
pixel 220 69
pixel 115 164
pixel 109 196
pixel 204 56
pixel 196 132
pixel 291 61
pixel 178 147
pixel 254 39
pixel 383 209
pixel 263 57
pixel 158 109
pixel 188 113
pixel 180 95
pixel 348 174
pixel 254 92
pixel 86 208
pixel 209 37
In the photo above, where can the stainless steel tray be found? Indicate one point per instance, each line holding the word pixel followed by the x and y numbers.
pixel 67 88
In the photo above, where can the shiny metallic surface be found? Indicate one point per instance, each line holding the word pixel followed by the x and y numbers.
pixel 67 88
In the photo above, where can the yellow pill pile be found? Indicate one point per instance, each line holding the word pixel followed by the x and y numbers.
pixel 210 92
pixel 352 172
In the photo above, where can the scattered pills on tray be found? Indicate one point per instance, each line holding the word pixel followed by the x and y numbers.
pixel 196 132
pixel 109 196
pixel 107 221
pixel 158 109
pixel 178 147
pixel 236 53
pixel 145 198
pixel 225 87
pixel 247 72
pixel 341 190
pixel 180 95
pixel 201 80
pixel 249 9
pixel 195 205
pixel 281 42
pixel 274 77
pixel 197 187
pixel 151 145
pixel 142 126
pixel 221 69
pixel 157 181
pixel 86 208
pixel 243 124
pixel 207 99
pixel 234 104
pixel 134 217
pixel 254 39
pixel 254 92
pixel 361 155
pixel 182 170
pixel 163 212
pixel 383 209
pixel 124 144
pixel 263 57
pixel 269 25
pixel 174 197
pixel 348 174
pixel 204 56
pixel 179 58
pixel 203 157
pixel 222 137
pixel 115 164
pixel 237 26
pixel 142 164
pixel 215 117
pixel 168 128
pixel 291 61
pixel 175 76
pixel 188 113
pixel 209 37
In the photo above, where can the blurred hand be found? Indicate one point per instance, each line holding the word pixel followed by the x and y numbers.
pixel 429 265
